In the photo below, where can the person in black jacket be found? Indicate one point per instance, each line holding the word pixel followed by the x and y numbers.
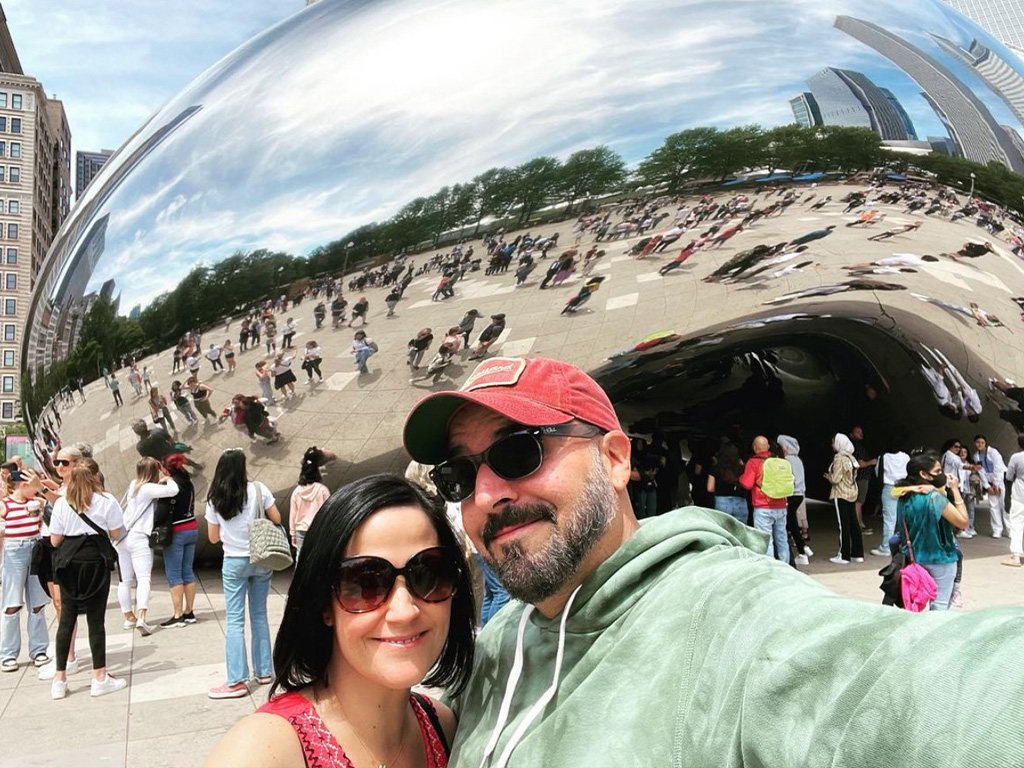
pixel 489 336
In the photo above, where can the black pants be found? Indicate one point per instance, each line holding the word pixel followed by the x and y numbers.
pixel 312 365
pixel 286 340
pixel 851 544
pixel 216 363
pixel 117 397
pixel 84 587
pixel 792 505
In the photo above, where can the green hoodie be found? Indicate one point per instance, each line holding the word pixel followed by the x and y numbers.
pixel 689 647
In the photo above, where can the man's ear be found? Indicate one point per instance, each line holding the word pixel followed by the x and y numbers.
pixel 616 448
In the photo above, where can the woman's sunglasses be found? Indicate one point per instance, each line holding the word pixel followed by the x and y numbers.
pixel 512 457
pixel 365 583
pixel 62 462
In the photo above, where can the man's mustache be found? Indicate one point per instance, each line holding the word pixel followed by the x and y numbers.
pixel 514 515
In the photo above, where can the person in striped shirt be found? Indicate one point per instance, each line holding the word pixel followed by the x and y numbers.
pixel 22 514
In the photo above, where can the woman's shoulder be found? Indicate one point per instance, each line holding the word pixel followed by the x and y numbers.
pixel 260 740
pixel 449 722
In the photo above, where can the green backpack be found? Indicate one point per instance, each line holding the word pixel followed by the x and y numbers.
pixel 777 481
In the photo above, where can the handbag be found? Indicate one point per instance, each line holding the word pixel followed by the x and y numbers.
pixel 917 586
pixel 268 543
pixel 163 531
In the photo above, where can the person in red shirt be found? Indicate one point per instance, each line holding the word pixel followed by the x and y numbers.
pixel 769 514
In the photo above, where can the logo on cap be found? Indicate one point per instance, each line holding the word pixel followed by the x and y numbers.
pixel 496 372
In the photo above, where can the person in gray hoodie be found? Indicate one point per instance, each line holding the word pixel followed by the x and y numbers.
pixel 791 450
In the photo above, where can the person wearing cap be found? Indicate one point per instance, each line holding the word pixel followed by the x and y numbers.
pixel 489 336
pixel 466 326
pixel 676 641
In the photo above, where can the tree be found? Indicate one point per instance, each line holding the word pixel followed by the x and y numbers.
pixel 493 194
pixel 734 150
pixel 535 183
pixel 785 147
pixel 680 157
pixel 448 208
pixel 591 172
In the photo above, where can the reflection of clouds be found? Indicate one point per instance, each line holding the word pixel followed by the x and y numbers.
pixel 345 113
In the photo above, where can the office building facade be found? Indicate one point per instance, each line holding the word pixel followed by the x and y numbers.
pixel 1003 19
pixel 87 165
pixel 847 98
pixel 975 131
pixel 999 74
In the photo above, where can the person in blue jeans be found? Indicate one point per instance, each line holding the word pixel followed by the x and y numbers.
pixel 231 506
pixel 21 592
pixel 931 521
pixel 723 484
pixel 181 552
pixel 362 348
pixel 769 513
pixel 495 595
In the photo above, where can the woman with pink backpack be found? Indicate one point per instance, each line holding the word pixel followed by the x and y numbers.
pixel 929 511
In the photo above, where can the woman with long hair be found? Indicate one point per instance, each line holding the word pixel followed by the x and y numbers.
pixel 842 476
pixel 931 520
pixel 158 410
pixel 134 554
pixel 84 519
pixel 308 496
pixel 380 601
pixel 181 552
pixel 231 506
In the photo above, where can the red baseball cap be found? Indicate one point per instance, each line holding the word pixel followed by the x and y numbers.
pixel 534 392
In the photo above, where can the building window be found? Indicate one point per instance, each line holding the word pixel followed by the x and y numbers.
pixel 12 255
pixel 12 231
pixel 15 101
pixel 8 410
pixel 15 125
pixel 10 306
pixel 10 332
pixel 14 175
pixel 11 281
pixel 8 358
pixel 3 100
pixel 15 149
pixel 8 384
pixel 2 172
pixel 13 207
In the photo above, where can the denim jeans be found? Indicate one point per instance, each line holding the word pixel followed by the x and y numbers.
pixel 773 521
pixel 944 574
pixel 18 585
pixel 495 595
pixel 300 539
pixel 888 517
pixel 361 357
pixel 178 557
pixel 242 581
pixel 646 502
pixel 732 505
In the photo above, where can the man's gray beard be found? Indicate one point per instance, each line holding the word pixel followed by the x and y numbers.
pixel 538 576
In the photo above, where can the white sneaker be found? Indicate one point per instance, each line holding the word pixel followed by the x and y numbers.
pixel 48 671
pixel 58 689
pixel 108 685
pixel 964 535
pixel 144 629
pixel 857 559
pixel 879 552
pixel 838 560
pixel 128 624
pixel 801 560
pixel 807 551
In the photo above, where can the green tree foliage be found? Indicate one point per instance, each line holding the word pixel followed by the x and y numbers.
pixel 535 184
pixel 590 173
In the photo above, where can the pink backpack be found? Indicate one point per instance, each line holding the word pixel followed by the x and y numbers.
pixel 916 584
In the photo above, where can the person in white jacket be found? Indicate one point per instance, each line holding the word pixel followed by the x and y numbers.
pixel 796 512
pixel 134 555
pixel 993 475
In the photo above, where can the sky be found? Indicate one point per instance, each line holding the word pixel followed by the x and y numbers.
pixel 115 62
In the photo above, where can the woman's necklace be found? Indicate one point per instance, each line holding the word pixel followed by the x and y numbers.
pixel 401 746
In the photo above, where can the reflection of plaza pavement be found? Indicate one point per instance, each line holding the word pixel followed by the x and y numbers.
pixel 360 417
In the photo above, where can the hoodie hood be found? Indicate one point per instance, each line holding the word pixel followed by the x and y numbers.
pixel 790 444
pixel 842 444
pixel 308 493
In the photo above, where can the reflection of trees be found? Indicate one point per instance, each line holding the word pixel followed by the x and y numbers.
pixel 993 181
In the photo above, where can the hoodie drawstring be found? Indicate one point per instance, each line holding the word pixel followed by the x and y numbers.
pixel 513 681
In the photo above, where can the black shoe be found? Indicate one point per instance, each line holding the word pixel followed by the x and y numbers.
pixel 190 618
pixel 174 621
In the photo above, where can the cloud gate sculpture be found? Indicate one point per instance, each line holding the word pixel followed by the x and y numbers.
pixel 780 192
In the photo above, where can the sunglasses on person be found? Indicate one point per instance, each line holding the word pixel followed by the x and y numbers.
pixel 62 462
pixel 513 457
pixel 365 583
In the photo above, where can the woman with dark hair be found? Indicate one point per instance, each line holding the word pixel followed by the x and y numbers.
pixel 307 498
pixel 231 506
pixel 180 553
pixel 380 602
pixel 930 519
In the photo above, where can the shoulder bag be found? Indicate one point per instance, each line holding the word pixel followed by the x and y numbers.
pixel 916 585
pixel 163 531
pixel 268 543
pixel 107 550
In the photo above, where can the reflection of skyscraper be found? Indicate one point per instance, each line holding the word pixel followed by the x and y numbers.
pixel 805 110
pixel 971 125
pixel 1004 80
pixel 87 165
pixel 1003 19
pixel 850 98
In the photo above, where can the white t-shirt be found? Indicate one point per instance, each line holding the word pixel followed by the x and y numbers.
pixel 139 509
pixel 234 533
pixel 213 353
pixel 103 510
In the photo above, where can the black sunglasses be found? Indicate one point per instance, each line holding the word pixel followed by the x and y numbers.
pixel 62 462
pixel 365 583
pixel 512 457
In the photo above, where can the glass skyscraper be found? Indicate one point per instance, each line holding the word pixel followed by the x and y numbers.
pixel 1003 19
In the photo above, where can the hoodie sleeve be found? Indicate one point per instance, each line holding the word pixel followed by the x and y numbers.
pixel 751 473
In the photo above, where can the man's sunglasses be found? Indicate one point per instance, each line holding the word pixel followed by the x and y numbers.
pixel 512 457
pixel 365 583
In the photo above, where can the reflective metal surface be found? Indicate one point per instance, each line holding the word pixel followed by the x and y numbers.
pixel 355 130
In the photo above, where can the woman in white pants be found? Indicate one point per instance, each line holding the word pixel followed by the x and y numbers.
pixel 133 551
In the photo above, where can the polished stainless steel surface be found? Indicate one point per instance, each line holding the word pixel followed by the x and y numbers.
pixel 355 129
